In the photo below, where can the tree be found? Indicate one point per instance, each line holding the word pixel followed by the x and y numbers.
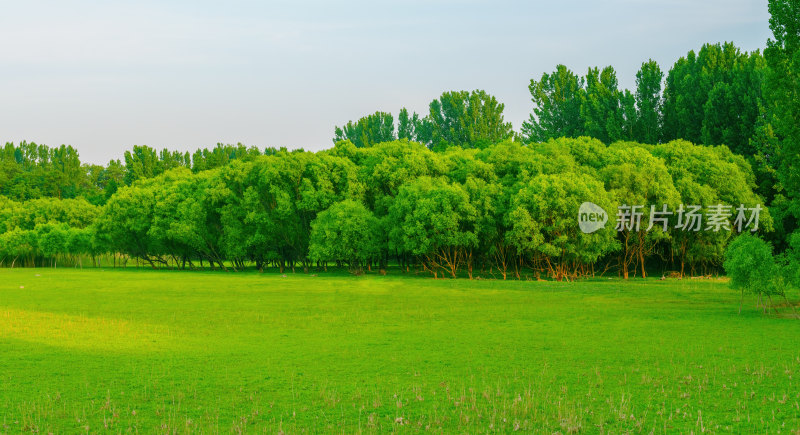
pixel 542 223
pixel 648 103
pixel 381 170
pixel 733 105
pixel 510 163
pixel 221 155
pixel 30 171
pixel 434 220
pixel 407 125
pixel 367 131
pixel 265 207
pixel 225 195
pixel 627 102
pixel 714 97
pixel 479 180
pixel 634 177
pixel 752 268
pixel 602 106
pixel 140 162
pixel 9 213
pixel 180 224
pixel 782 87
pixel 17 244
pixel 706 176
pixel 465 119
pixel 51 240
pixel 79 243
pixel 790 261
pixel 125 221
pixel 345 232
pixel 557 106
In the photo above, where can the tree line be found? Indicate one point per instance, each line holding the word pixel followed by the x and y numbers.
pixel 30 171
pixel 507 210
pixel 451 191
pixel 718 95
pixel 711 97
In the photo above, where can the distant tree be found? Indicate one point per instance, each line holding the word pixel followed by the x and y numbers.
pixel 765 145
pixel 782 88
pixel 684 97
pixel 714 97
pixel 125 221
pixel 648 103
pixel 602 106
pixel 205 159
pixel 733 105
pixel 407 125
pixel 29 171
pixel 67 174
pixel 140 162
pixel 557 106
pixel 112 177
pixel 51 240
pixel 143 162
pixel 630 115
pixel 367 131
pixel 172 159
pixel 465 119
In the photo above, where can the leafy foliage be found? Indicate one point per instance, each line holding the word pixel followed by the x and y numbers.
pixel 557 106
pixel 781 134
pixel 367 131
pixel 348 232
pixel 752 268
pixel 507 207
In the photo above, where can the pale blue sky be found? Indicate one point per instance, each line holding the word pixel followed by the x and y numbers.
pixel 104 75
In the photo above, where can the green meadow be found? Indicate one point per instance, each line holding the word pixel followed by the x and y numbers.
pixel 165 351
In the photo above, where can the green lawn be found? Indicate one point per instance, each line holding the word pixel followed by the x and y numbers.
pixel 128 350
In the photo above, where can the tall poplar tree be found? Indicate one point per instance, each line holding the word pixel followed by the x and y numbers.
pixel 557 106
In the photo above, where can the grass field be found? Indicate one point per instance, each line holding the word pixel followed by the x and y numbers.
pixel 141 350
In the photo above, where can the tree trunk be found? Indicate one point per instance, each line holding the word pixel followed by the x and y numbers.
pixel 641 262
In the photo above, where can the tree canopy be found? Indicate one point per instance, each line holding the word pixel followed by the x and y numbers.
pixel 507 208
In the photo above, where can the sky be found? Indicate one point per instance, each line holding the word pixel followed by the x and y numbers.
pixel 104 76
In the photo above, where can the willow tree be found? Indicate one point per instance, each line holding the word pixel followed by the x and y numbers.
pixel 706 176
pixel 433 219
pixel 543 225
pixel 634 177
pixel 346 232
